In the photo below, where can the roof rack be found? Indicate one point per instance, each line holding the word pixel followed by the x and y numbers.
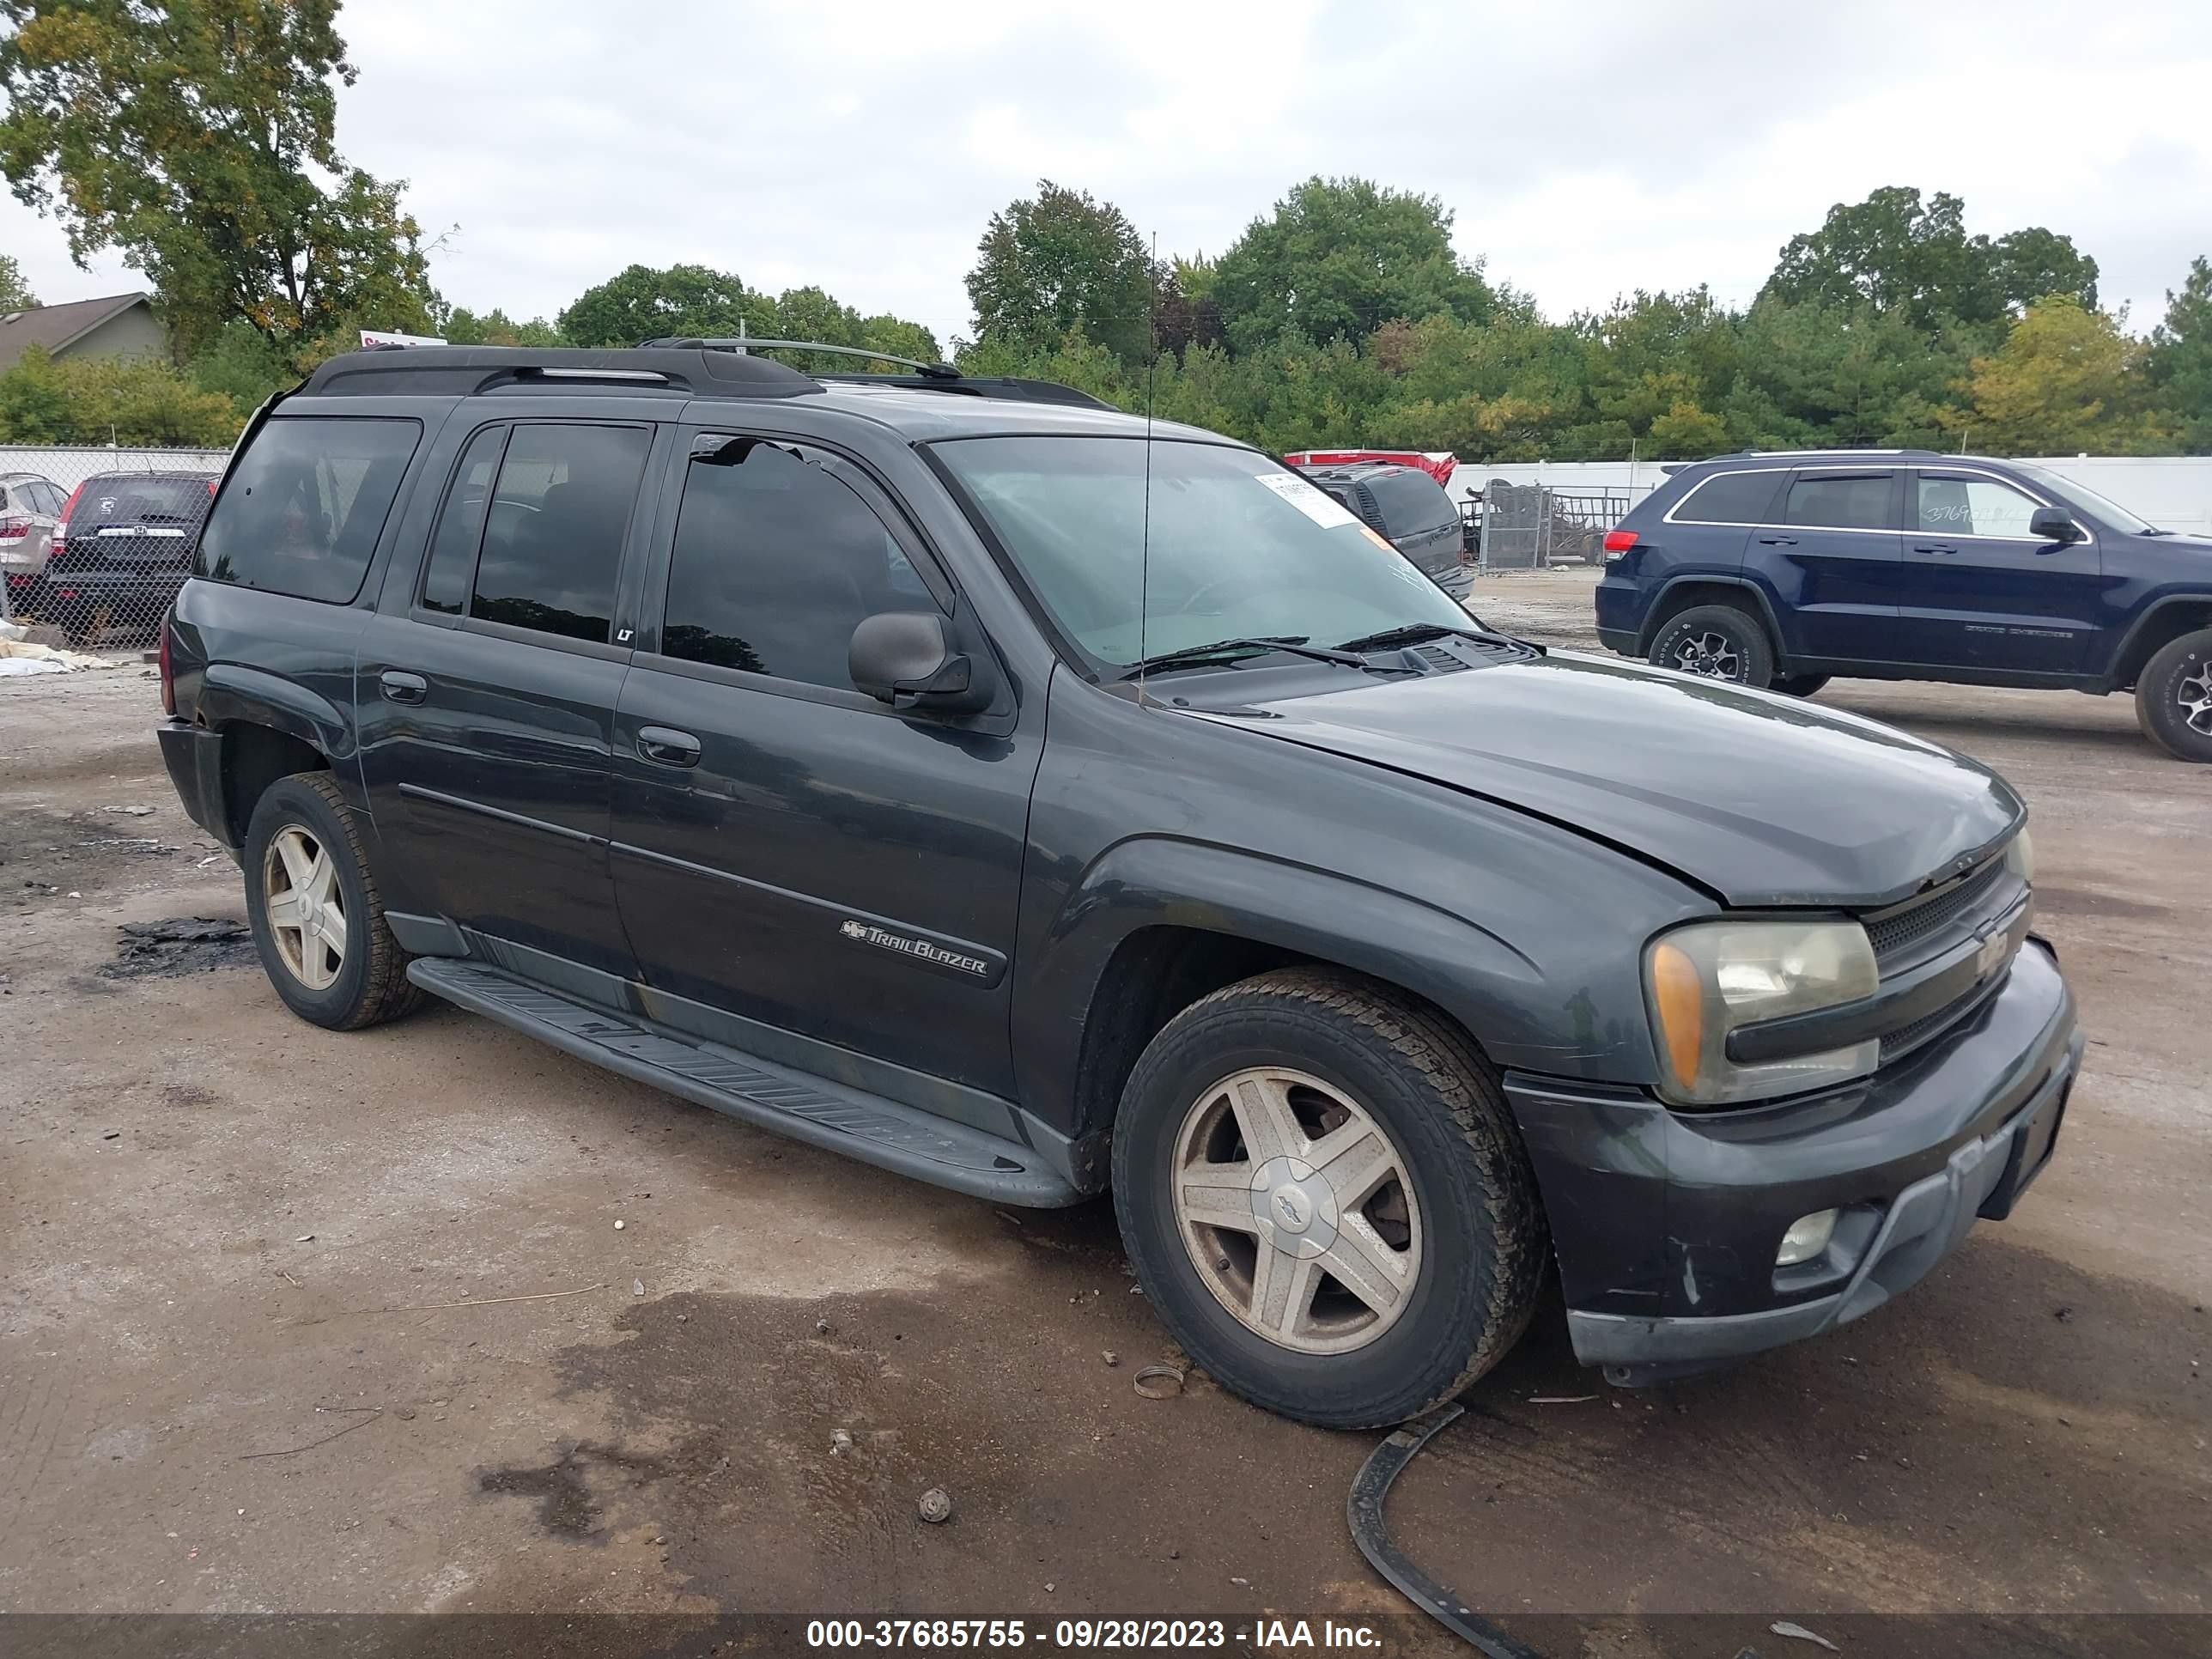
pixel 462 371
pixel 743 345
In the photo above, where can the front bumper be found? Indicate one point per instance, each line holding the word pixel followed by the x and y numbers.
pixel 1667 1223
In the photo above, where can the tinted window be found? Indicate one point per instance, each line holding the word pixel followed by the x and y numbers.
pixel 304 507
pixel 147 502
pixel 1840 503
pixel 1971 506
pixel 1410 502
pixel 49 499
pixel 452 565
pixel 553 534
pixel 1730 498
pixel 775 563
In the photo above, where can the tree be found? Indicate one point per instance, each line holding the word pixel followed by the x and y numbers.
pixel 2180 359
pixel 132 401
pixel 15 293
pixel 1891 251
pixel 644 303
pixel 2061 383
pixel 1339 259
pixel 197 138
pixel 462 326
pixel 1057 263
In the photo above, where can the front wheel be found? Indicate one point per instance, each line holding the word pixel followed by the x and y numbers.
pixel 1324 1194
pixel 312 904
pixel 1715 642
pixel 2173 696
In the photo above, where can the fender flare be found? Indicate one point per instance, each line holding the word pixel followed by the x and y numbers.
pixel 234 693
pixel 1649 630
pixel 1490 988
pixel 2109 673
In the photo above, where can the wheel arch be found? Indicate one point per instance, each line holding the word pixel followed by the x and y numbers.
pixel 2159 626
pixel 1158 924
pixel 1682 593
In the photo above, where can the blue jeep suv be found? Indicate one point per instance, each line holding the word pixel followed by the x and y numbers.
pixel 1781 570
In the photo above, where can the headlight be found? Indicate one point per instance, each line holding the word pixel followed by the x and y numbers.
pixel 2020 858
pixel 1706 980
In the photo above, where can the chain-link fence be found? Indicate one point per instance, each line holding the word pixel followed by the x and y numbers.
pixel 1535 527
pixel 95 543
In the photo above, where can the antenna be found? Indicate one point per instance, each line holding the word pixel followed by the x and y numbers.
pixel 1145 549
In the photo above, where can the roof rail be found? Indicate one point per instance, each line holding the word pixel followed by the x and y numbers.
pixel 743 345
pixel 461 371
pixel 991 385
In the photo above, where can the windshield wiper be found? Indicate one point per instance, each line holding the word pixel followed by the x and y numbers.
pixel 1294 643
pixel 1414 633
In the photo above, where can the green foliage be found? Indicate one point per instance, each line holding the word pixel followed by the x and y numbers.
pixel 462 326
pixel 240 365
pixel 1338 259
pixel 197 138
pixel 1059 263
pixel 2180 360
pixel 644 303
pixel 131 401
pixel 2064 381
pixel 1891 252
pixel 15 293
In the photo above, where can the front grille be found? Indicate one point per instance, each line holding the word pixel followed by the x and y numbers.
pixel 1905 1038
pixel 1896 931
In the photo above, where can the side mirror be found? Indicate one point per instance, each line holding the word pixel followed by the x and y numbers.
pixel 907 660
pixel 2051 524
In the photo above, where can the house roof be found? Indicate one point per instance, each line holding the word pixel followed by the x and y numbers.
pixel 58 327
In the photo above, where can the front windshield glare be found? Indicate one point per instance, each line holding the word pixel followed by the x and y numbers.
pixel 2081 495
pixel 1240 547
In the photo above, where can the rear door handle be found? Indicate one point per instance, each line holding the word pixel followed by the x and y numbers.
pixel 1778 541
pixel 1933 547
pixel 665 747
pixel 403 688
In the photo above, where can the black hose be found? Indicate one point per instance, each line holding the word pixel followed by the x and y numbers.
pixel 1364 1510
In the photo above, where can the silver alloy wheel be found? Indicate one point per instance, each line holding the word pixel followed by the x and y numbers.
pixel 1297 1210
pixel 305 905
pixel 2195 695
pixel 1712 654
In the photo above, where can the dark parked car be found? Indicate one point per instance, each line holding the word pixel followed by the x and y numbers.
pixel 1782 570
pixel 121 550
pixel 1409 509
pixel 863 758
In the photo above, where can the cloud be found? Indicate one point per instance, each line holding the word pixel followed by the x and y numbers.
pixel 1584 152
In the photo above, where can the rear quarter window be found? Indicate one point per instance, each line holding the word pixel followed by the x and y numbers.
pixel 1731 498
pixel 305 504
pixel 1412 502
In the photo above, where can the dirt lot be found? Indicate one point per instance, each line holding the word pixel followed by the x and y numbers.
pixel 292 1320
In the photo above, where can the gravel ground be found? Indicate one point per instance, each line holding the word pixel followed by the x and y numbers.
pixel 267 1344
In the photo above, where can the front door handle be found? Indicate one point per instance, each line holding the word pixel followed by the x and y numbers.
pixel 400 687
pixel 665 747
pixel 1933 547
pixel 1778 541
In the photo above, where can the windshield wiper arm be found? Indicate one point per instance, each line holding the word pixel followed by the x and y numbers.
pixel 1294 643
pixel 1414 633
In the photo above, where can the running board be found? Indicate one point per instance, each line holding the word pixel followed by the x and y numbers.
pixel 832 1115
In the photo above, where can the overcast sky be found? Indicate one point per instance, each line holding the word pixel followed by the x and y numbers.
pixel 1585 150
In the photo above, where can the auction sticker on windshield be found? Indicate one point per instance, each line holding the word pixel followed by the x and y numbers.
pixel 1323 508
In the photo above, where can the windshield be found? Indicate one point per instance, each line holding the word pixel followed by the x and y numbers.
pixel 2081 495
pixel 1240 547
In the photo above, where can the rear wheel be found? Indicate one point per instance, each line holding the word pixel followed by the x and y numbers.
pixel 1715 642
pixel 1324 1195
pixel 2173 696
pixel 1800 685
pixel 316 917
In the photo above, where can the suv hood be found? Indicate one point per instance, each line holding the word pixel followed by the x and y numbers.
pixel 1764 800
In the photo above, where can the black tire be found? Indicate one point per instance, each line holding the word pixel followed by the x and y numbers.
pixel 371 985
pixel 1800 685
pixel 1421 1080
pixel 1725 636
pixel 2173 689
